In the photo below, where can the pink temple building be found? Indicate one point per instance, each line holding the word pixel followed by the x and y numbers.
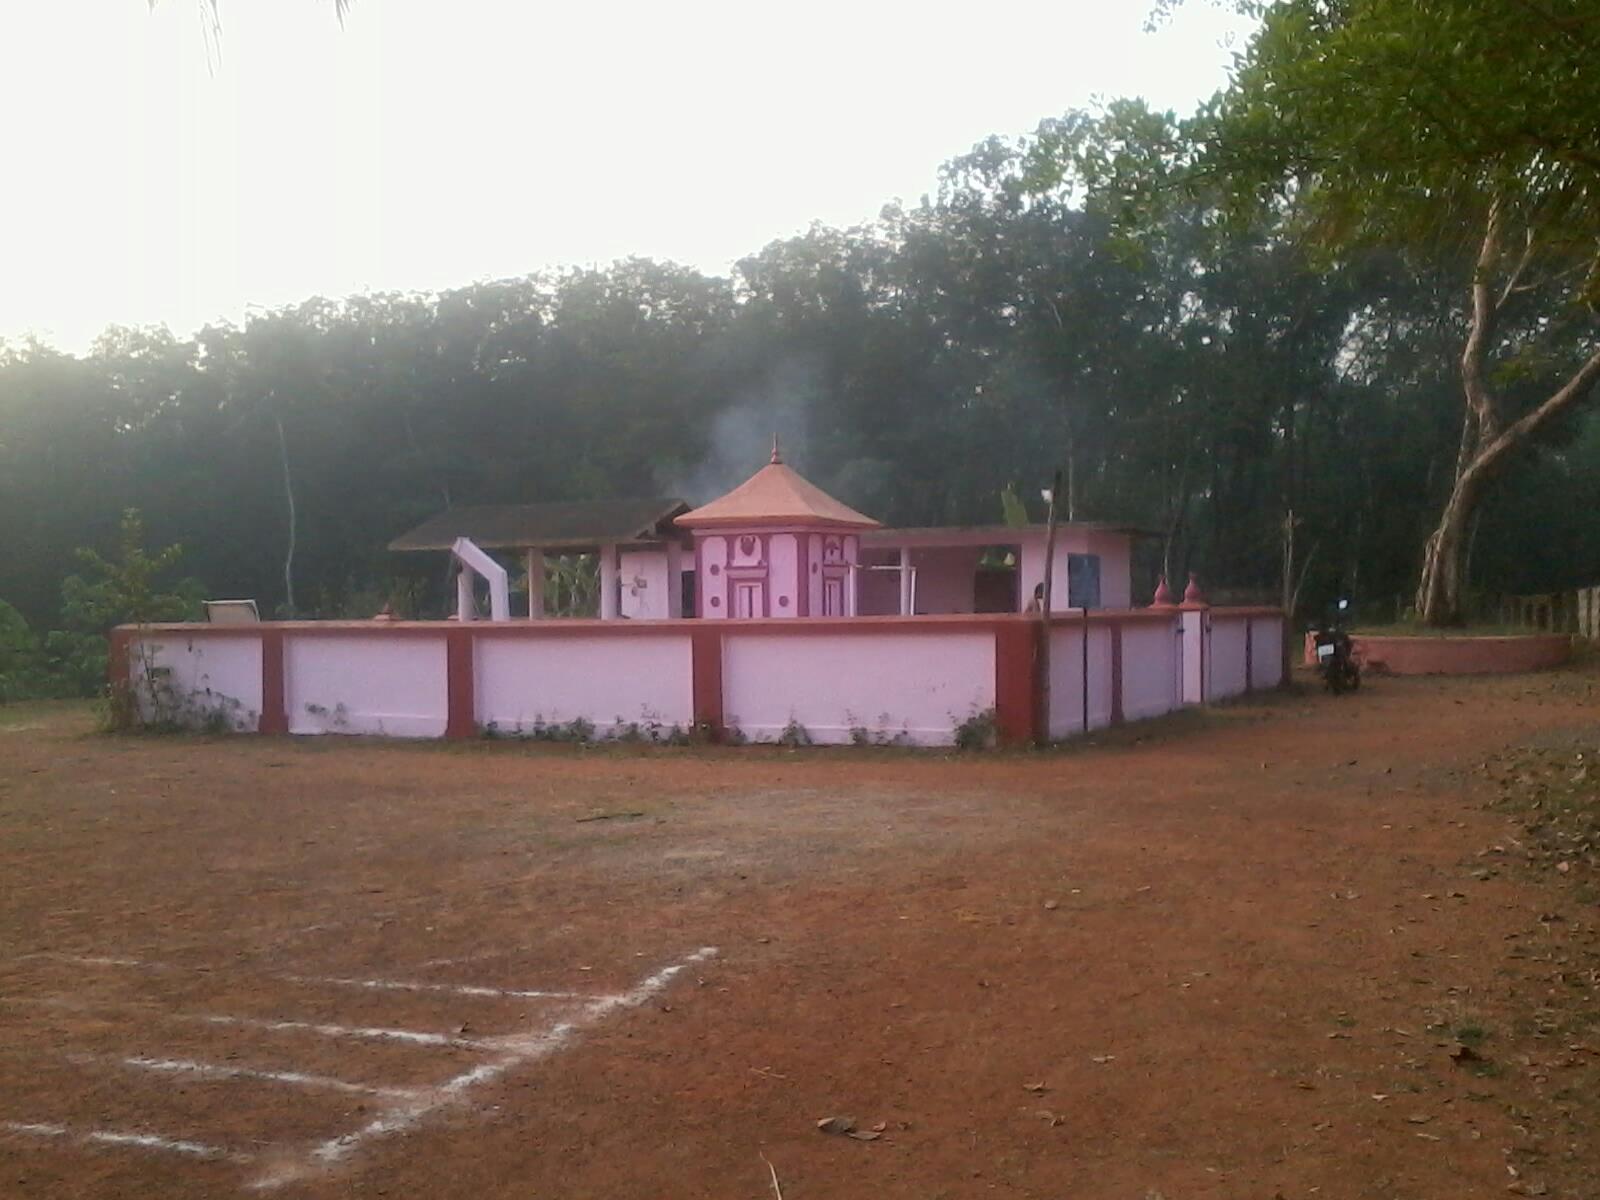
pixel 778 546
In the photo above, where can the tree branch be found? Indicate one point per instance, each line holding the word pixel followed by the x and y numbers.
pixel 1481 330
pixel 1520 430
pixel 1512 280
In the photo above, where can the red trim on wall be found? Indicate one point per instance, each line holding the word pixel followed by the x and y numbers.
pixel 461 687
pixel 119 671
pixel 1116 674
pixel 705 669
pixel 1018 696
pixel 274 707
pixel 587 627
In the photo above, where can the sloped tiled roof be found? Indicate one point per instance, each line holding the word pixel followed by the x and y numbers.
pixel 776 495
pixel 563 526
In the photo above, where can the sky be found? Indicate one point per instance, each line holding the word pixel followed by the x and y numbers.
pixel 151 178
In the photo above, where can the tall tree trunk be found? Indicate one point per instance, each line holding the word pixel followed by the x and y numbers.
pixel 288 496
pixel 1485 444
pixel 1441 586
pixel 1439 590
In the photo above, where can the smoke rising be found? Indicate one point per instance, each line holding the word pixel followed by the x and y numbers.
pixel 740 440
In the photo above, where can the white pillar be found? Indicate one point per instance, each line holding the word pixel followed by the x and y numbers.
pixel 535 584
pixel 905 581
pixel 608 582
pixel 1196 625
pixel 674 579
pixel 464 601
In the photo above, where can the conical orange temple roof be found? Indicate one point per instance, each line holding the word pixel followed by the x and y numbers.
pixel 776 495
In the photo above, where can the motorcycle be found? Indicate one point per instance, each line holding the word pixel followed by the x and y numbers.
pixel 1336 661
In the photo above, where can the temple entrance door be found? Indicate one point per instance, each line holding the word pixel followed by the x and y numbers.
pixel 748 600
pixel 833 597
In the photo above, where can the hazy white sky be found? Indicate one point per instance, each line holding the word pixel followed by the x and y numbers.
pixel 434 142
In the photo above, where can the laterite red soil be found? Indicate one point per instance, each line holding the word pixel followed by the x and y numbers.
pixel 1224 955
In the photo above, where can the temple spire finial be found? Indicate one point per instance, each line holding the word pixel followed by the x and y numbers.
pixel 777 455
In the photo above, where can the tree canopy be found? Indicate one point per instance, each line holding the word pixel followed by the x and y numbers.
pixel 1462 134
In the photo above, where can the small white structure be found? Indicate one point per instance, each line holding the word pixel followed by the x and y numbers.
pixel 470 560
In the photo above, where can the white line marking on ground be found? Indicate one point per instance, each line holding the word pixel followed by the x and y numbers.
pixel 454 989
pixel 204 1070
pixel 143 1141
pixel 409 1036
pixel 515 1051
pixel 385 985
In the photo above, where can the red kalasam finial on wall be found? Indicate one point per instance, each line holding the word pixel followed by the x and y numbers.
pixel 1163 596
pixel 1192 594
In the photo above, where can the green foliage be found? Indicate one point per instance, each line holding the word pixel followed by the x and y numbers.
pixel 22 669
pixel 1011 506
pixel 794 735
pixel 977 731
pixel 125 588
pixel 579 730
pixel 1479 99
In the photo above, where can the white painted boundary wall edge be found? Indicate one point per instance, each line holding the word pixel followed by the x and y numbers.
pixel 913 680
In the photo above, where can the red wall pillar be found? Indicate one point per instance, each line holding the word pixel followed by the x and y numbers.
pixel 461 721
pixel 119 677
pixel 274 708
pixel 1018 690
pixel 705 667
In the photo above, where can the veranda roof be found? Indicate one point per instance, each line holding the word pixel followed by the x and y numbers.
pixel 565 526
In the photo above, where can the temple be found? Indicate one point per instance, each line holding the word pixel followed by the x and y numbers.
pixel 778 546
pixel 774 613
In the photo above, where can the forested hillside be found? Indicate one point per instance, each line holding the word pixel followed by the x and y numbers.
pixel 1198 376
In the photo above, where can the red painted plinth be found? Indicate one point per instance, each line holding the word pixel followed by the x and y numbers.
pixel 1456 655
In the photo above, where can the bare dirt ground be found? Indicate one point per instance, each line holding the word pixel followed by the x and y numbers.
pixel 1228 955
